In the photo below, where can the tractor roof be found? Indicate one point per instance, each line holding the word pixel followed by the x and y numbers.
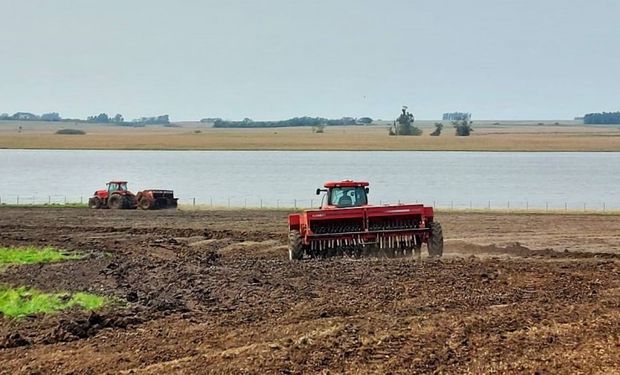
pixel 345 183
pixel 116 182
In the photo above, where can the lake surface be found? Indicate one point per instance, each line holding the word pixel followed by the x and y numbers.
pixel 286 178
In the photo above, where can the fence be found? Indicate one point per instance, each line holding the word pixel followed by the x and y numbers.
pixel 257 202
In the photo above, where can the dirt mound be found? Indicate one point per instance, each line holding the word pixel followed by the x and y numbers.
pixel 519 250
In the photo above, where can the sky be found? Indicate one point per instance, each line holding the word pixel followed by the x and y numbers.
pixel 276 59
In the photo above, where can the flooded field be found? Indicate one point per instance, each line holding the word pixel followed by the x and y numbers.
pixel 285 178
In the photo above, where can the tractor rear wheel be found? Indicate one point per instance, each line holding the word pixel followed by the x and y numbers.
pixel 435 241
pixel 94 202
pixel 295 247
pixel 116 201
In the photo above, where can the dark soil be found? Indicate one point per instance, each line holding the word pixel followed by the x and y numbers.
pixel 213 291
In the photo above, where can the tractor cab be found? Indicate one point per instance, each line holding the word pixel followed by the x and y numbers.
pixel 342 194
pixel 117 186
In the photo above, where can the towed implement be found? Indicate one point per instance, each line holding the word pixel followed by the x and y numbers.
pixel 156 199
pixel 346 225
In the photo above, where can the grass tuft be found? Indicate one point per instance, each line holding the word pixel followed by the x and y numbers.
pixel 31 254
pixel 22 301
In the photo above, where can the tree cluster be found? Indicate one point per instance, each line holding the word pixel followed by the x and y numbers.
pixel 438 129
pixel 602 118
pixel 27 116
pixel 463 128
pixel 403 125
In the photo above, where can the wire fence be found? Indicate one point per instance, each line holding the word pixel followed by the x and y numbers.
pixel 235 202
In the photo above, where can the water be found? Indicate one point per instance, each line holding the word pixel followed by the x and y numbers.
pixel 270 178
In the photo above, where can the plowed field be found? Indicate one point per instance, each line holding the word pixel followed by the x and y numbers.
pixel 213 292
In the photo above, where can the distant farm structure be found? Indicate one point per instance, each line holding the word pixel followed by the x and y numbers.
pixel 457 116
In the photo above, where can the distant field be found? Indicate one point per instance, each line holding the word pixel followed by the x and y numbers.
pixel 488 136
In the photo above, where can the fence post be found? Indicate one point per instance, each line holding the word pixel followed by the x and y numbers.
pixel 193 202
pixel 584 207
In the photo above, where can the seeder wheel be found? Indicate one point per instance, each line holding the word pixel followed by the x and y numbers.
pixel 435 242
pixel 295 246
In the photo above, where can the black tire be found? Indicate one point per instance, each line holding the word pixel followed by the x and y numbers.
pixel 116 201
pixel 295 246
pixel 435 242
pixel 144 203
pixel 94 203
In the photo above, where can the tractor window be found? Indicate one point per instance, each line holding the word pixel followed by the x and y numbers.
pixel 117 187
pixel 348 196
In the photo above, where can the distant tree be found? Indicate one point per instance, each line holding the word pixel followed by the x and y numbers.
pixel 463 128
pixel 101 118
pixel 438 128
pixel 118 118
pixel 52 116
pixel 24 116
pixel 157 120
pixel 364 120
pixel 5 116
pixel 403 125
pixel 603 118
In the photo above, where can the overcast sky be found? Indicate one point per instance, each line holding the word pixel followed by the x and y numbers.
pixel 274 59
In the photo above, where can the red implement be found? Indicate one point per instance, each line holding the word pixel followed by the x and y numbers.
pixel 346 225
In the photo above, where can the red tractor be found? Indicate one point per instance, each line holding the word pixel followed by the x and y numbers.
pixel 347 225
pixel 118 197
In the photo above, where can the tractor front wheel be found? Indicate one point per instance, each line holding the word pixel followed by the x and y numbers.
pixel 295 246
pixel 435 241
pixel 94 202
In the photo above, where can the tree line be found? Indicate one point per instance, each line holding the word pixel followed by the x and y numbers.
pixel 602 118
pixel 102 118
pixel 293 122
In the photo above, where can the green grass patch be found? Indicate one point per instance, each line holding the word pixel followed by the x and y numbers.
pixel 22 301
pixel 30 254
